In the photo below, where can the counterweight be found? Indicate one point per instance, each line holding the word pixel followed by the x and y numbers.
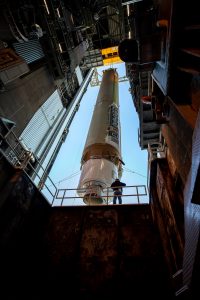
pixel 101 160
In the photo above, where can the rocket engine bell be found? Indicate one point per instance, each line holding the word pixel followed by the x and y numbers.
pixel 101 159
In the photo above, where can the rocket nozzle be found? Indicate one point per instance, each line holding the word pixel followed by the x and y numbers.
pixel 92 199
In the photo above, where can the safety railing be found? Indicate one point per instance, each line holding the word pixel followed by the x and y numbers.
pixel 13 150
pixel 70 197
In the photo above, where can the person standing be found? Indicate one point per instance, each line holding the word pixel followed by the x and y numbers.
pixel 117 188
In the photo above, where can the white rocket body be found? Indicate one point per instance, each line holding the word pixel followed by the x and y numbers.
pixel 101 159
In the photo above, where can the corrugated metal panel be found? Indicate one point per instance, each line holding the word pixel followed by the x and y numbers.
pixel 52 107
pixel 30 50
pixel 42 122
pixel 192 212
pixel 35 130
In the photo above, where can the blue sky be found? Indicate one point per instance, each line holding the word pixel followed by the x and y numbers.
pixel 66 171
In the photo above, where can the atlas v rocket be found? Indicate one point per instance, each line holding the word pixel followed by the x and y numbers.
pixel 101 160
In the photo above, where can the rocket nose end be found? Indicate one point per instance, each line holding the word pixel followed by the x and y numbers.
pixel 92 199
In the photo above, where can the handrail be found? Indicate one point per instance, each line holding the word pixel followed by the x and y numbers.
pixel 107 194
pixel 41 183
pixel 20 158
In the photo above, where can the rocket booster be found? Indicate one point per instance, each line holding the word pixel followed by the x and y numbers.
pixel 101 159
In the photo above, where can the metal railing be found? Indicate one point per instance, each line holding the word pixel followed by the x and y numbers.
pixel 13 150
pixel 138 195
